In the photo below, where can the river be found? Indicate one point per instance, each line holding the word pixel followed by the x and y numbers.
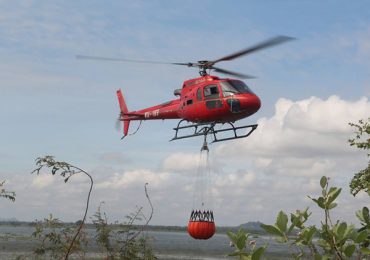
pixel 17 240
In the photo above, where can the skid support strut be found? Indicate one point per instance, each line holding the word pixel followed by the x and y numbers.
pixel 204 129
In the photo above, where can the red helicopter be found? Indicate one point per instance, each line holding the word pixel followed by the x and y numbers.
pixel 205 102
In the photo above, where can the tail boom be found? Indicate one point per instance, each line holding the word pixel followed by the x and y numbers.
pixel 168 110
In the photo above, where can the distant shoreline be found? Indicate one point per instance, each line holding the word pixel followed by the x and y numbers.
pixel 168 242
pixel 220 229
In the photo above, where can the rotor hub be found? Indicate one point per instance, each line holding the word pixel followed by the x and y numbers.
pixel 203 65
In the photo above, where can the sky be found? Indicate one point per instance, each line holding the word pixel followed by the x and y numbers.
pixel 53 104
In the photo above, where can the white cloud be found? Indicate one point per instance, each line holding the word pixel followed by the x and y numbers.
pixel 236 180
pixel 42 181
pixel 324 116
pixel 292 149
pixel 182 162
pixel 134 178
pixel 308 128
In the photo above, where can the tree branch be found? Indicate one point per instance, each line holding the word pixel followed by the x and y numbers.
pixel 65 170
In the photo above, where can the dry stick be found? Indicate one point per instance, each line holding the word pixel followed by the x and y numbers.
pixel 150 217
pixel 150 203
pixel 337 251
pixel 327 222
pixel 86 209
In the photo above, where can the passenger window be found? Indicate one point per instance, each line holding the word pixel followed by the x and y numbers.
pixel 199 94
pixel 211 91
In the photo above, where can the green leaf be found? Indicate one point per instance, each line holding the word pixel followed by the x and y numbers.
pixel 281 239
pixel 365 214
pixel 333 195
pixel 332 205
pixel 349 250
pixel 361 236
pixel 54 170
pixel 365 250
pixel 241 232
pixel 332 189
pixel 232 236
pixel 323 181
pixel 272 230
pixel 234 254
pixel 241 242
pixel 306 214
pixel 341 229
pixel 325 257
pixel 295 220
pixel 360 216
pixel 321 202
pixel 350 232
pixel 308 233
pixel 282 221
pixel 258 253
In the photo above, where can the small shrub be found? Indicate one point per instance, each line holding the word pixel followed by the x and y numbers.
pixel 125 240
pixel 55 239
pixel 245 249
pixel 336 240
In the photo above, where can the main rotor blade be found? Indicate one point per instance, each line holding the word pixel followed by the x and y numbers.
pixel 232 73
pixel 86 57
pixel 262 45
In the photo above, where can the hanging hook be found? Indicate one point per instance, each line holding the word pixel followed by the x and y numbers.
pixel 205 145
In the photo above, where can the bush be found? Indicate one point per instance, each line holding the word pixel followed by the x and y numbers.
pixel 337 240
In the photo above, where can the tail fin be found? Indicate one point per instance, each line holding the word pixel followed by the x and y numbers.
pixel 124 110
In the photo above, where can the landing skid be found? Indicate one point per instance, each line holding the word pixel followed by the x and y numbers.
pixel 204 129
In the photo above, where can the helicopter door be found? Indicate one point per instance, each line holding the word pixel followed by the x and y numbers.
pixel 199 104
pixel 212 97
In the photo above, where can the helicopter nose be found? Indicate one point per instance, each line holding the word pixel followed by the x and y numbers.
pixel 250 103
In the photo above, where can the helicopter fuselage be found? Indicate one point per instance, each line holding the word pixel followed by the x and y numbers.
pixel 204 101
pixel 207 99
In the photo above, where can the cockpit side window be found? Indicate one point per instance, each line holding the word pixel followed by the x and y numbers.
pixel 211 91
pixel 233 87
pixel 199 94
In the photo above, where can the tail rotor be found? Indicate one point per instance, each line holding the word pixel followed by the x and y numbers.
pixel 117 124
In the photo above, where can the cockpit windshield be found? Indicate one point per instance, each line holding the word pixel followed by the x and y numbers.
pixel 232 87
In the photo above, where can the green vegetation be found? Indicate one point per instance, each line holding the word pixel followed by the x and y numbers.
pixel 55 240
pixel 245 249
pixel 65 170
pixel 123 242
pixel 59 242
pixel 361 180
pixel 337 240
pixel 119 241
pixel 10 195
